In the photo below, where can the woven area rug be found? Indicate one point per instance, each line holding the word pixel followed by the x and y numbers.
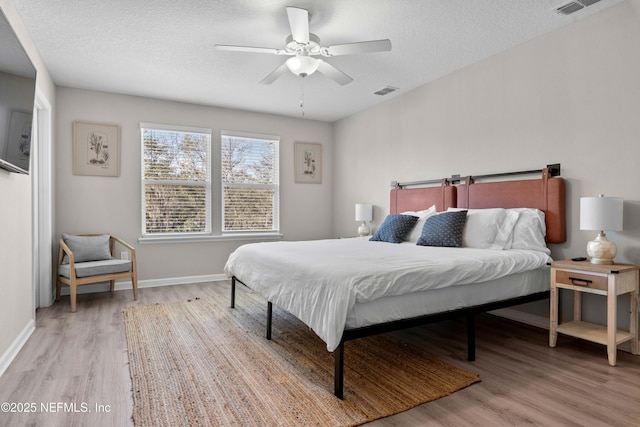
pixel 201 363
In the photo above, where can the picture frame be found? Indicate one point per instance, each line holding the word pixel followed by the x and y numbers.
pixel 96 149
pixel 308 163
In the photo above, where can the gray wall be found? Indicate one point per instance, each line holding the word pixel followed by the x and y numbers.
pixel 113 204
pixel 569 97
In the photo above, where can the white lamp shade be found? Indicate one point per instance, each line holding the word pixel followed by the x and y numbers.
pixel 364 212
pixel 601 213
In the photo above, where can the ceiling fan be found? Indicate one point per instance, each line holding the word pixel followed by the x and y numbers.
pixel 304 46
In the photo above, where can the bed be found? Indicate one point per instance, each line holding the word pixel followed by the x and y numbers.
pixel 346 289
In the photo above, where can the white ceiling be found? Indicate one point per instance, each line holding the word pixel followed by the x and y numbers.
pixel 164 48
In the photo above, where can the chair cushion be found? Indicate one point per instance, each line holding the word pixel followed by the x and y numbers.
pixel 96 268
pixel 87 248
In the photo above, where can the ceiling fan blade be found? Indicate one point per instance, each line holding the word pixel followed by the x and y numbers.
pixel 333 73
pixel 299 23
pixel 358 47
pixel 274 75
pixel 250 49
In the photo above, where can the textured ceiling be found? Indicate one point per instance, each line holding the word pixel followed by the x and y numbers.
pixel 165 48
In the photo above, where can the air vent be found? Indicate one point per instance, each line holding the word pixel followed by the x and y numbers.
pixel 385 90
pixel 574 6
pixel 588 2
pixel 569 8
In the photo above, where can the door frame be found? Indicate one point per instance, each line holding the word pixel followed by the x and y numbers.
pixel 42 203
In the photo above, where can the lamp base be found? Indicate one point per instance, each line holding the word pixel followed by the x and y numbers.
pixel 601 250
pixel 364 230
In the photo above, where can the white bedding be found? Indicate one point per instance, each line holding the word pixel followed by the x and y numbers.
pixel 442 300
pixel 320 281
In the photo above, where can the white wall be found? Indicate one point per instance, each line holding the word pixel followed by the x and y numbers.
pixel 16 305
pixel 107 204
pixel 569 97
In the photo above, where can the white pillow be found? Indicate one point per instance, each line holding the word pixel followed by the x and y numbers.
pixel 504 237
pixel 530 230
pixel 482 227
pixel 422 217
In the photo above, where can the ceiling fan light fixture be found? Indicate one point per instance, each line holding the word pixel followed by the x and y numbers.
pixel 302 65
pixel 303 46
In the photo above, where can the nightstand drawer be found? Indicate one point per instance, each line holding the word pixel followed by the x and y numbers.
pixel 585 280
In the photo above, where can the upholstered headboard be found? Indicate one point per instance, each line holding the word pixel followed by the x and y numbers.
pixel 546 193
pixel 417 199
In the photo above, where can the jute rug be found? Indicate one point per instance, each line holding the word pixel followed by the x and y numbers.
pixel 201 363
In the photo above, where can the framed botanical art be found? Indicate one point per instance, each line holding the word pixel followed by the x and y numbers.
pixel 308 163
pixel 96 149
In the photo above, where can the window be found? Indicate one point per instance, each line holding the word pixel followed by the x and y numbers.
pixel 250 182
pixel 176 180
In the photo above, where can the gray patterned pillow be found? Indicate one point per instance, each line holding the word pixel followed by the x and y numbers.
pixel 444 229
pixel 394 228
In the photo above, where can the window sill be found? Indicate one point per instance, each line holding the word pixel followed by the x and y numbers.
pixel 208 238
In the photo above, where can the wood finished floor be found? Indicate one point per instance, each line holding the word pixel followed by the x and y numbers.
pixel 82 358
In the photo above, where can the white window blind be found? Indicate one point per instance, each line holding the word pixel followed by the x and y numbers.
pixel 176 179
pixel 250 182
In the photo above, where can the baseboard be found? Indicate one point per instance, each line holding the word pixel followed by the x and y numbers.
pixel 17 344
pixel 123 285
pixel 522 317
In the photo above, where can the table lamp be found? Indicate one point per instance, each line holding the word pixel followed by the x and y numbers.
pixel 364 213
pixel 599 214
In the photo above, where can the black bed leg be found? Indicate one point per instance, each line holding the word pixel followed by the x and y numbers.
pixel 269 315
pixel 471 337
pixel 338 376
pixel 233 292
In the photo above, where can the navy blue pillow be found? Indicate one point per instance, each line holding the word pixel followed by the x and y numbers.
pixel 444 229
pixel 394 228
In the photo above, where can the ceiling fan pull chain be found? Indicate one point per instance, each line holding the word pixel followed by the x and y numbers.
pixel 302 95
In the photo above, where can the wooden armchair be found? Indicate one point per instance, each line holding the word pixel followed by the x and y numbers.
pixel 89 258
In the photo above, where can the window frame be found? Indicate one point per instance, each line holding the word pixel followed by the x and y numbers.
pixel 275 186
pixel 214 199
pixel 173 236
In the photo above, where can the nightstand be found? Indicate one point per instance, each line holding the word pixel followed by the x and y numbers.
pixel 607 280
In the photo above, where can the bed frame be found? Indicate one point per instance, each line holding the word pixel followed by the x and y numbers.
pixel 546 193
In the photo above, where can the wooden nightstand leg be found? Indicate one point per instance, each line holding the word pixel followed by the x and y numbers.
pixel 577 305
pixel 633 321
pixel 553 317
pixel 612 320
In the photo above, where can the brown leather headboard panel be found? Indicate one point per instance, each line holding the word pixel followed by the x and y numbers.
pixel 417 199
pixel 546 194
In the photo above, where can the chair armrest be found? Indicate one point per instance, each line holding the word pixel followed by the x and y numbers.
pixel 64 249
pixel 123 243
pixel 131 249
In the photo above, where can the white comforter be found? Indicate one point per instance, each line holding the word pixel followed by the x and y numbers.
pixel 320 281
